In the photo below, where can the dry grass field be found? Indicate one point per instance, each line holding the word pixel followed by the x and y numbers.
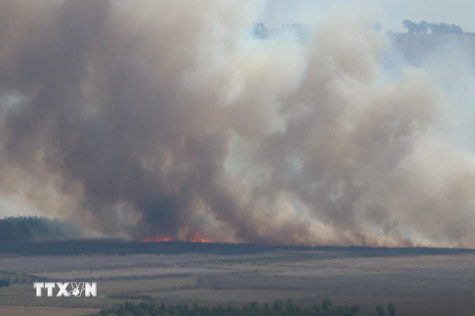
pixel 45 311
pixel 418 283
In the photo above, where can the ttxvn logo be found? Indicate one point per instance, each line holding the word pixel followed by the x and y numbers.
pixel 66 289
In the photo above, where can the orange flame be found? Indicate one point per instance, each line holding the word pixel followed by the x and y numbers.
pixel 158 239
pixel 197 237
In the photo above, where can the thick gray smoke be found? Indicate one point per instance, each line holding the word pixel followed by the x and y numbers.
pixel 168 118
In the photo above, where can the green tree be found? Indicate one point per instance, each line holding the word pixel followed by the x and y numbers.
pixel 278 306
pixel 327 305
pixel 391 309
pixel 4 282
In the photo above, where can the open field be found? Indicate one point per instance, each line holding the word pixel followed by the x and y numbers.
pixel 45 311
pixel 417 281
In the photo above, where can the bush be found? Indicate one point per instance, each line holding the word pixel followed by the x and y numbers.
pixel 4 282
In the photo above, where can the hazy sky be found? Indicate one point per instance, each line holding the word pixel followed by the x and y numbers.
pixel 390 13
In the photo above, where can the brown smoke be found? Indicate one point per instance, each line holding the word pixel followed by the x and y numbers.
pixel 168 118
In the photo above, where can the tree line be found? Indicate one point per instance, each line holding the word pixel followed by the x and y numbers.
pixel 423 27
pixel 35 228
pixel 277 308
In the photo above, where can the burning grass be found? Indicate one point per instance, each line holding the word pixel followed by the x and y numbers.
pixel 196 237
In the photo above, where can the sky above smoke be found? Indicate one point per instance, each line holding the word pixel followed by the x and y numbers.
pixel 145 119
pixel 390 13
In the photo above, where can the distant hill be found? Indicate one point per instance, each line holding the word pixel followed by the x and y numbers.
pixel 35 228
pixel 421 40
pixel 416 47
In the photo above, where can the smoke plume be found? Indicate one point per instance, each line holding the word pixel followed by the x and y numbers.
pixel 158 119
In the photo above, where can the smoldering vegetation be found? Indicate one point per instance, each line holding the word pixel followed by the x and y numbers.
pixel 140 119
pixel 27 229
pixel 112 247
